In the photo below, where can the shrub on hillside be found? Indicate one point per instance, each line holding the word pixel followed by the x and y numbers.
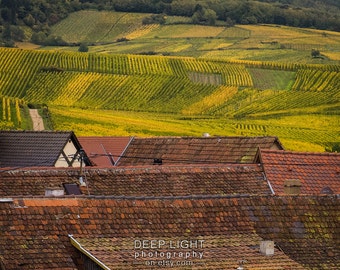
pixel 83 47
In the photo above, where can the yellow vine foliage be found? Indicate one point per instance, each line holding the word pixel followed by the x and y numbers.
pixel 145 29
pixel 217 98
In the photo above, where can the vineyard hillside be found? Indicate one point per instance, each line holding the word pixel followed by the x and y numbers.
pixel 95 94
pixel 121 32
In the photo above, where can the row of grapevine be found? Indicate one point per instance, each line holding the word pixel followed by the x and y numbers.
pixel 289 66
pixel 283 102
pixel 298 133
pixel 10 108
pixel 144 82
pixel 110 91
pixel 18 69
pixel 317 80
pixel 215 99
pixel 101 91
pixel 141 31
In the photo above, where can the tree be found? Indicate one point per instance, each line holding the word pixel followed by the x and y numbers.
pixel 7 32
pixel 39 38
pixel 17 33
pixel 229 22
pixel 29 20
pixel 315 53
pixel 83 47
pixel 204 16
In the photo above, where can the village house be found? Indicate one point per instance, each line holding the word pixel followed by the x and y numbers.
pixel 40 149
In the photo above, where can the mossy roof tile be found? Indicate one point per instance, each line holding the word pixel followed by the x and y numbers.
pixel 173 180
pixel 304 230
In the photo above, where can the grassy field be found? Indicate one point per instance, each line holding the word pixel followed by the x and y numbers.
pixel 243 80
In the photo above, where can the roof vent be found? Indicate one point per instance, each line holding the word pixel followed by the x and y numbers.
pixel 267 247
pixel 54 191
pixel 292 186
pixel 327 190
pixel 157 161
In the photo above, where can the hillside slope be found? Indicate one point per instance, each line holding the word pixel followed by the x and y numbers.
pixel 119 32
pixel 31 20
pixel 300 104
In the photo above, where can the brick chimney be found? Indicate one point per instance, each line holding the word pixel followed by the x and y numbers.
pixel 292 187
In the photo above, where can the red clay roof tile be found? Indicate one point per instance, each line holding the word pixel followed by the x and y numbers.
pixel 199 150
pixel 175 180
pixel 318 172
pixel 34 231
pixel 104 151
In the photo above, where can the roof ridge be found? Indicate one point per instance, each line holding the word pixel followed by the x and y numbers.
pixel 161 198
pixel 53 170
pixel 285 152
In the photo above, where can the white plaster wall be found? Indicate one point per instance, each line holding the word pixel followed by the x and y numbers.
pixel 70 150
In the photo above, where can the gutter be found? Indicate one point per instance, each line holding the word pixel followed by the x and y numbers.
pixel 78 246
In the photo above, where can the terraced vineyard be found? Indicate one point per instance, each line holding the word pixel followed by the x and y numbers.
pixel 236 97
pixel 11 112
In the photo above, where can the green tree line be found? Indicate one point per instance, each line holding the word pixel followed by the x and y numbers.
pixel 39 15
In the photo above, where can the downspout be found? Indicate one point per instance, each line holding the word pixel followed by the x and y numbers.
pixel 78 246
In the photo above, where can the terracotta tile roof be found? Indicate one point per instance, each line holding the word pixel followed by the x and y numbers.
pixel 305 229
pixel 33 148
pixel 317 172
pixel 104 151
pixel 170 150
pixel 204 252
pixel 175 180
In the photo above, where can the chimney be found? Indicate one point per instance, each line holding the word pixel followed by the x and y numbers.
pixel 292 187
pixel 54 191
pixel 267 247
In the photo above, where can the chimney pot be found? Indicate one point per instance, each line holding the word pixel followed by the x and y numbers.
pixel 267 247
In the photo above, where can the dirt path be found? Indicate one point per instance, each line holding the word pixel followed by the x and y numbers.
pixel 38 123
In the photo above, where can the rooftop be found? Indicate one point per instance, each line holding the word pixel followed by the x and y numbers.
pixel 195 150
pixel 318 173
pixel 35 148
pixel 35 231
pixel 104 151
pixel 154 180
